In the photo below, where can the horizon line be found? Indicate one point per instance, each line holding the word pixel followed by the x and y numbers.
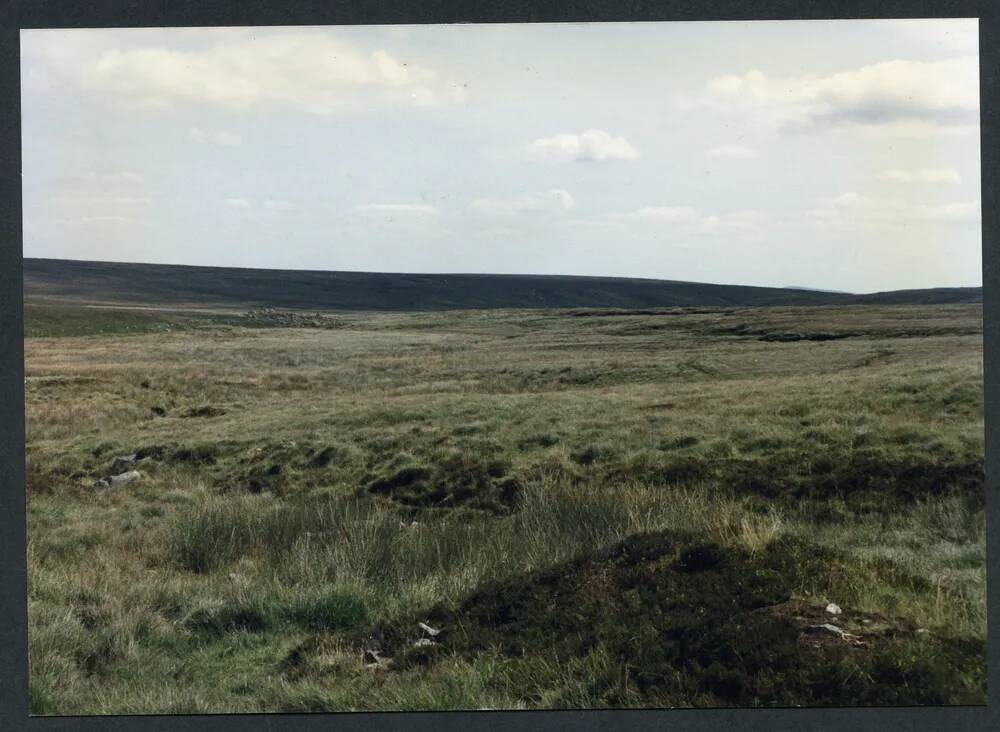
pixel 499 274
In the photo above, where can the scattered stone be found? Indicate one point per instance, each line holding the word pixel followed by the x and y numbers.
pixel 422 642
pixel 286 319
pixel 827 628
pixel 102 483
pixel 833 609
pixel 123 461
pixel 432 632
pixel 818 629
pixel 126 477
pixel 922 630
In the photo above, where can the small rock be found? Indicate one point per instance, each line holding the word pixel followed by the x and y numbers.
pixel 833 609
pixel 827 628
pixel 102 483
pixel 126 477
pixel 123 461
pixel 423 642
pixel 867 621
pixel 922 630
pixel 158 411
pixel 432 632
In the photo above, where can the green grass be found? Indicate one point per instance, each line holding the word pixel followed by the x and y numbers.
pixel 70 321
pixel 305 488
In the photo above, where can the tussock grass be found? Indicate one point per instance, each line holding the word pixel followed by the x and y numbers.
pixel 241 571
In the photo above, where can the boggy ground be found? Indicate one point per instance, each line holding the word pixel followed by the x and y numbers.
pixel 594 508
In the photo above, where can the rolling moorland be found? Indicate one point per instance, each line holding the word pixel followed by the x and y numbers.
pixel 738 497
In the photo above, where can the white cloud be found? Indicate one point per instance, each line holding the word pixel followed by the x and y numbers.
pixel 854 210
pixel 398 208
pixel 921 175
pixel 736 152
pixel 238 202
pixel 591 145
pixel 273 205
pixel 553 202
pixel 692 221
pixel 215 137
pixel 312 71
pixel 921 96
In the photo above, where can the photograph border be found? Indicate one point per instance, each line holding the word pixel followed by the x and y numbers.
pixel 28 14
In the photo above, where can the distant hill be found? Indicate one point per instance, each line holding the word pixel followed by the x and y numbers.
pixel 162 284
pixel 816 289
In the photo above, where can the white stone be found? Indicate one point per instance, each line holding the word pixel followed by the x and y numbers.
pixel 429 630
pixel 124 478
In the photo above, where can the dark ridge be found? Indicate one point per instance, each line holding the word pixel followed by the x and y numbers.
pixel 935 296
pixel 167 284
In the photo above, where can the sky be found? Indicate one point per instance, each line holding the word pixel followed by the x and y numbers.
pixel 827 154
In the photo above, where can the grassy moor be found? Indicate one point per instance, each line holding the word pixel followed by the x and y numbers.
pixel 242 505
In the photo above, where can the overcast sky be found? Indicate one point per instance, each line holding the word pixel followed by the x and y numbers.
pixel 828 154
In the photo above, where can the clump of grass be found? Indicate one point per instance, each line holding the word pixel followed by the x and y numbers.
pixel 680 443
pixel 41 699
pixel 595 453
pixel 454 479
pixel 227 617
pixel 217 531
pixel 542 440
pixel 203 454
pixel 328 611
